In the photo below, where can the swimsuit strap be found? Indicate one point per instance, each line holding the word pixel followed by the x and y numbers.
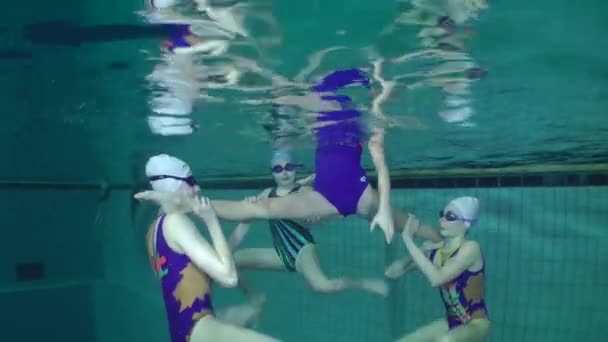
pixel 441 256
pixel 273 192
pixel 160 220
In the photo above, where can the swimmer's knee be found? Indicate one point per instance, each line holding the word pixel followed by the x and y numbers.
pixel 321 286
pixel 324 285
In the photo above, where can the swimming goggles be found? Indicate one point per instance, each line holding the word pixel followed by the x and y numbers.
pixel 189 180
pixel 451 217
pixel 288 167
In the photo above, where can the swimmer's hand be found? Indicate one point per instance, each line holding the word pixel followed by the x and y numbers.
pixel 397 268
pixel 203 208
pixel 411 227
pixel 170 202
pixel 313 220
pixel 384 219
pixel 251 199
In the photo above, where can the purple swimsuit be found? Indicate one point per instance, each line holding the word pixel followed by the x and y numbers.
pixel 463 296
pixel 177 34
pixel 340 178
pixel 184 309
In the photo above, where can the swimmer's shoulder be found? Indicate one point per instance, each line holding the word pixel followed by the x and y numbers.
pixel 178 226
pixel 473 249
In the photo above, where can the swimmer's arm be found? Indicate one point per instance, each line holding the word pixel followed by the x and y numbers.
pixel 429 233
pixel 238 235
pixel 468 254
pixel 399 267
pixel 215 261
pixel 406 264
pixel 376 149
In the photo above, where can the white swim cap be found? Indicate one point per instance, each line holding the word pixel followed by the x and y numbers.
pixel 278 156
pixel 469 208
pixel 158 4
pixel 166 165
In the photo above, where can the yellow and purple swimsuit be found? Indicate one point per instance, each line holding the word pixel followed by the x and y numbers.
pixel 463 296
pixel 186 290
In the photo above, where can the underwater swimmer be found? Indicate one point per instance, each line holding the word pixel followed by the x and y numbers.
pixel 341 187
pixel 294 246
pixel 186 264
pixel 457 268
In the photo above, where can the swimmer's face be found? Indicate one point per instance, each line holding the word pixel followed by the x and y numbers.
pixel 284 173
pixel 451 222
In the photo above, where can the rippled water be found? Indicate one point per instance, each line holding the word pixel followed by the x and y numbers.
pixel 520 84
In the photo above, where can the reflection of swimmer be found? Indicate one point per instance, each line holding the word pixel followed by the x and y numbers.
pixel 452 85
pixel 468 68
pixel 281 125
pixel 341 187
pixel 183 41
pixel 181 38
pixel 442 13
pixel 186 264
pixel 172 105
pixel 431 53
pixel 228 18
pixel 457 268
pixel 459 109
pixel 440 21
pixel 178 73
pixel 294 246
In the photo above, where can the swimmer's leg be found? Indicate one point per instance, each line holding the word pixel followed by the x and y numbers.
pixel 368 206
pixel 476 330
pixel 250 258
pixel 307 264
pixel 210 329
pixel 428 333
pixel 295 206
pixel 256 259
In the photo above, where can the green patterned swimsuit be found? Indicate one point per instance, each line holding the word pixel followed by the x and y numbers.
pixel 288 236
